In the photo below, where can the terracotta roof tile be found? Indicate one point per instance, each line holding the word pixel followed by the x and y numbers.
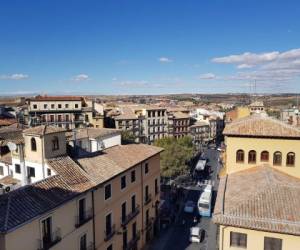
pixel 57 98
pixel 261 125
pixel 93 133
pixel 272 204
pixel 43 130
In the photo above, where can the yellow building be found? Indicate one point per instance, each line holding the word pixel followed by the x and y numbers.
pixel 103 200
pixel 258 202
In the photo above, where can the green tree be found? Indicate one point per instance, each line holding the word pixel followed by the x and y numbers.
pixel 127 137
pixel 177 153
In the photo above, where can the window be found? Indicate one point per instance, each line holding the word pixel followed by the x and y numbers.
pixel 147 216
pixel 33 144
pixel 49 172
pixel 123 182
pixel 83 245
pixel 264 156
pixel 240 156
pixel 46 231
pixel 108 224
pixel 76 105
pixel 146 168
pixel 52 106
pixel 55 143
pixel 51 118
pixel 133 176
pixel 18 168
pixel 1 170
pixel 277 158
pixel 66 106
pixel 133 203
pixel 290 159
pixel 110 247
pixel 134 230
pixel 124 239
pixel 123 211
pixel 35 106
pixel 45 106
pixel 252 156
pixel 81 210
pixel 30 172
pixel 146 193
pixel 238 240
pixel 107 191
pixel 272 243
pixel 59 106
pixel 156 186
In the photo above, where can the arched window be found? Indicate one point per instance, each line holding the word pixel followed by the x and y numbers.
pixel 240 156
pixel 33 144
pixel 55 144
pixel 264 156
pixel 277 158
pixel 290 159
pixel 252 156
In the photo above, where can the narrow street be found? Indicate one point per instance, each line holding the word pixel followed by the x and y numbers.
pixel 177 237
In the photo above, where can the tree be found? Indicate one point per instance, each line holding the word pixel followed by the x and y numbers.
pixel 127 137
pixel 176 154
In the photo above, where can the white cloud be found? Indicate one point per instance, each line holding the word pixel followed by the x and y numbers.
pixel 245 66
pixel 207 76
pixel 141 83
pixel 165 60
pixel 14 77
pixel 81 77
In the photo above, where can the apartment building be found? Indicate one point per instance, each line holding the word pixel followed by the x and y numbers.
pixel 105 199
pixel 178 124
pixel 146 123
pixel 63 111
pixel 258 202
pixel 200 133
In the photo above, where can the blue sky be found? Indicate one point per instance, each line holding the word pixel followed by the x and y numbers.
pixel 149 47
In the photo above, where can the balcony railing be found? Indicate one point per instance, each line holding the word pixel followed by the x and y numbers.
pixel 80 220
pixel 148 199
pixel 50 240
pixel 130 216
pixel 108 234
pixel 132 244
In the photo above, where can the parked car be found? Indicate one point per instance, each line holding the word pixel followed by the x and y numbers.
pixel 197 234
pixel 189 207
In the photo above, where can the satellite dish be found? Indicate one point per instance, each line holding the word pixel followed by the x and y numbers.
pixel 12 146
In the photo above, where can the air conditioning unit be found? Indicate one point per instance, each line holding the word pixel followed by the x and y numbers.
pixel 6 188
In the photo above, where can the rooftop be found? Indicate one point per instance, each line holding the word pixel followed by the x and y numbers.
pixel 261 125
pixel 115 160
pixel 272 204
pixel 56 98
pixel 43 130
pixel 93 133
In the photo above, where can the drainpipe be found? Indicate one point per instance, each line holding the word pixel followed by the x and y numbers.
pixel 93 211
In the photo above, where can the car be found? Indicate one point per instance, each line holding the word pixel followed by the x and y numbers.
pixel 197 234
pixel 189 207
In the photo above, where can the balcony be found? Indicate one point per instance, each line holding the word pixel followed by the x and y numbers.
pixel 130 216
pixel 108 234
pixel 87 216
pixel 132 244
pixel 50 240
pixel 148 199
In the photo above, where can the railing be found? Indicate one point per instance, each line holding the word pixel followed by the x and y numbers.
pixel 80 220
pixel 132 244
pixel 49 241
pixel 108 234
pixel 148 199
pixel 130 216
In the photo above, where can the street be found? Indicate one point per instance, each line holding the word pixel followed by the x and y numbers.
pixel 178 236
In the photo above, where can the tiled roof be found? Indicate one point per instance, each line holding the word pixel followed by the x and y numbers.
pixel 6 159
pixel 200 124
pixel 7 122
pixel 57 98
pixel 180 115
pixel 9 180
pixel 116 160
pixel 73 175
pixel 260 198
pixel 93 133
pixel 261 125
pixel 43 130
pixel 28 202
pixel 11 134
pixel 257 104
pixel 126 114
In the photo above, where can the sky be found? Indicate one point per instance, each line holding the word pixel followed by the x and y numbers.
pixel 149 47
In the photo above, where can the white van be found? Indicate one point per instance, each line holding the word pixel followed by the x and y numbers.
pixel 196 234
